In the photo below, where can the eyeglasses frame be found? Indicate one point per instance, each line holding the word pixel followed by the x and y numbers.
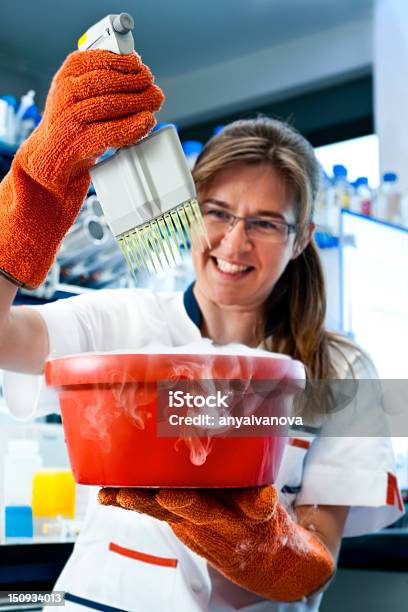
pixel 291 227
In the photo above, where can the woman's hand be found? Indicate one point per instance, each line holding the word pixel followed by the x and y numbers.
pixel 244 533
pixel 97 100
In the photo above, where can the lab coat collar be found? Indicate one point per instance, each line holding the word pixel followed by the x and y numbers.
pixel 191 306
pixel 195 314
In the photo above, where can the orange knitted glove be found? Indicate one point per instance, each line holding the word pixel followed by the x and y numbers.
pixel 97 100
pixel 244 533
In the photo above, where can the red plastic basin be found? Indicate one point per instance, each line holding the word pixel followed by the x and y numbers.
pixel 109 408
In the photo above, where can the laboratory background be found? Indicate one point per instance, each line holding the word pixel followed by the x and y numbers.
pixel 337 71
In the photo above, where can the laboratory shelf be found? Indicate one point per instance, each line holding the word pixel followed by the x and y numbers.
pixel 32 565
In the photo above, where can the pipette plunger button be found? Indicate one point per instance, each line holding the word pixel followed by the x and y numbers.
pixel 123 23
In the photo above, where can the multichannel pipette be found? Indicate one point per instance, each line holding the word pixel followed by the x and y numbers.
pixel 146 190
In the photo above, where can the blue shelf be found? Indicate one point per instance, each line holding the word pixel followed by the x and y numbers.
pixel 374 220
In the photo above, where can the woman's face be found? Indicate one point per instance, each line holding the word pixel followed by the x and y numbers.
pixel 240 271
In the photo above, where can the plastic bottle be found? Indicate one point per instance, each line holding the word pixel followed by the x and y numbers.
pixel 404 210
pixel 342 187
pixel 364 198
pixel 8 131
pixel 28 123
pixel 53 499
pixel 321 212
pixel 388 205
pixel 338 197
pixel 4 110
pixel 25 102
pixel 192 149
pixel 354 201
pixel 20 463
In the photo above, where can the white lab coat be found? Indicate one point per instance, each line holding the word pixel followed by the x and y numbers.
pixel 126 561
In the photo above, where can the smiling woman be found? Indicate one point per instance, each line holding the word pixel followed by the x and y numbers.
pixel 261 283
pixel 257 182
pixel 249 251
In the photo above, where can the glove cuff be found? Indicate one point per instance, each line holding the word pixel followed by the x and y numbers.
pixel 34 221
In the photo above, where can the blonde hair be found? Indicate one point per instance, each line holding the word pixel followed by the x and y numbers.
pixel 295 311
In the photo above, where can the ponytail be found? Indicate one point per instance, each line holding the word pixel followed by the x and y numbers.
pixel 295 315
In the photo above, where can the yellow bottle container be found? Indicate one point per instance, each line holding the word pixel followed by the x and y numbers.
pixel 53 498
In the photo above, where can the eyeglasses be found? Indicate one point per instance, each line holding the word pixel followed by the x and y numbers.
pixel 222 221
